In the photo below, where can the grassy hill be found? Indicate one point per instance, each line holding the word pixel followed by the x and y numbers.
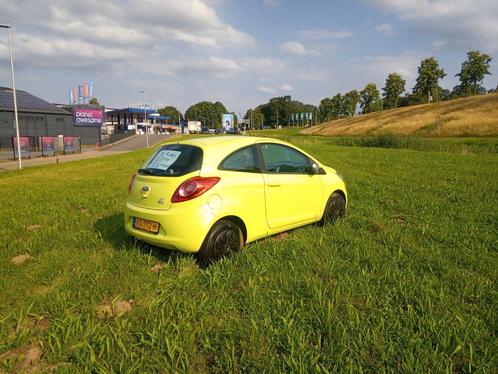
pixel 474 116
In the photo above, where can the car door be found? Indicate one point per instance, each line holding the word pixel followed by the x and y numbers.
pixel 293 196
pixel 243 191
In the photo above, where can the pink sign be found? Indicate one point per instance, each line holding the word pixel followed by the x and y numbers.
pixel 88 117
pixel 25 149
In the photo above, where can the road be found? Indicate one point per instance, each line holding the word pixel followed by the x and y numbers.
pixel 135 142
pixel 127 145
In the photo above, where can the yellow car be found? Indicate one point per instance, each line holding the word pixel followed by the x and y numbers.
pixel 213 195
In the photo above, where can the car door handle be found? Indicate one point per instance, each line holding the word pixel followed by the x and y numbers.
pixel 273 184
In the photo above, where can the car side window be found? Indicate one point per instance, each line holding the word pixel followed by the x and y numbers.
pixel 244 159
pixel 281 159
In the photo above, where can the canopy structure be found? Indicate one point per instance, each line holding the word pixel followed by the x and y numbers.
pixel 126 118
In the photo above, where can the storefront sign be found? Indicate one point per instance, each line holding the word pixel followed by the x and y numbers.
pixel 88 117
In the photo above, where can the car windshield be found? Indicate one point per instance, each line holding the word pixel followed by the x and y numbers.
pixel 173 160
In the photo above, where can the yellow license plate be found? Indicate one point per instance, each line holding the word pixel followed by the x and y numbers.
pixel 146 225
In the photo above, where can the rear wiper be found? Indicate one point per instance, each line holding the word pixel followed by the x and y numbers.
pixel 146 171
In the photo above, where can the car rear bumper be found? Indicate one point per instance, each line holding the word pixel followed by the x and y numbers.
pixel 183 227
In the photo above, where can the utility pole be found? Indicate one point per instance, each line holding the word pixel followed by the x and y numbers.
pixel 145 121
pixel 16 118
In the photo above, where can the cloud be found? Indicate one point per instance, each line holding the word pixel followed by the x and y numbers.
pixel 377 68
pixel 274 91
pixel 286 87
pixel 271 3
pixel 267 90
pixel 467 24
pixel 325 34
pixel 299 49
pixel 385 28
pixel 114 34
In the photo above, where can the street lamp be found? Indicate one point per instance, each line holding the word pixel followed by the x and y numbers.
pixel 14 95
pixel 145 121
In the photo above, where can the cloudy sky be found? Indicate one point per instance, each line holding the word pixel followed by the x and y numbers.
pixel 239 52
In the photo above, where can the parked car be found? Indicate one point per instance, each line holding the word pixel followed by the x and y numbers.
pixel 213 195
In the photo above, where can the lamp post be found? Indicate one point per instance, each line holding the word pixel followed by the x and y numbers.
pixel 16 119
pixel 145 121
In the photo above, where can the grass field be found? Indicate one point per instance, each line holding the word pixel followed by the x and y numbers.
pixel 408 282
pixel 474 116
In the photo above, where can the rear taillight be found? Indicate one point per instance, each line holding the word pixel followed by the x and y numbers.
pixel 193 187
pixel 132 181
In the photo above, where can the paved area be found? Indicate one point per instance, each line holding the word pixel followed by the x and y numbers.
pixel 123 146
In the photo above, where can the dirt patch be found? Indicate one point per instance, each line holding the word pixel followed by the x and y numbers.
pixel 400 219
pixel 34 227
pixel 41 290
pixel 38 324
pixel 387 202
pixel 115 309
pixel 158 267
pixel 282 236
pixel 24 359
pixel 20 259
pixel 375 227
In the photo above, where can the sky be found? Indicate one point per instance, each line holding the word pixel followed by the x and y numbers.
pixel 239 52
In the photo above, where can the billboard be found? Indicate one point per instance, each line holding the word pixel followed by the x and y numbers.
pixel 25 149
pixel 88 117
pixel 227 121
pixel 69 145
pixel 48 146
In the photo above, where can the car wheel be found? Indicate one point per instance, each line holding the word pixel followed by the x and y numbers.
pixel 224 239
pixel 335 209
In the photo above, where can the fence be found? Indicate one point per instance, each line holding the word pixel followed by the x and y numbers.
pixel 46 145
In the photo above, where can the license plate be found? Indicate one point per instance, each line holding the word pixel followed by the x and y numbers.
pixel 146 225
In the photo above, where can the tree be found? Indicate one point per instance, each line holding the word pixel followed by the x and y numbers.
pixel 255 117
pixel 429 74
pixel 325 109
pixel 235 123
pixel 473 70
pixel 93 101
pixel 351 100
pixel 337 103
pixel 395 86
pixel 207 112
pixel 171 112
pixel 409 99
pixel 369 98
pixel 278 110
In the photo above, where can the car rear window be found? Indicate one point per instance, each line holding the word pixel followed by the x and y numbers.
pixel 173 160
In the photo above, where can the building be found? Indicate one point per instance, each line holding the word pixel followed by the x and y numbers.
pixel 132 119
pixel 40 118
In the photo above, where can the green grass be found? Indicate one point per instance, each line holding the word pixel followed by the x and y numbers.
pixel 406 283
pixel 454 145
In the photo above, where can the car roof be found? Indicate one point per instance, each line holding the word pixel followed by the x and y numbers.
pixel 216 148
pixel 227 141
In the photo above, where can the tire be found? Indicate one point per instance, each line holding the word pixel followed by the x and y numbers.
pixel 224 239
pixel 334 210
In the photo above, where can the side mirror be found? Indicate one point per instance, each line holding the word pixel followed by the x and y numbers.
pixel 315 168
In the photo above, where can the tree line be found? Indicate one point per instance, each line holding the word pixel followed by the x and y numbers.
pixel 278 110
pixel 426 89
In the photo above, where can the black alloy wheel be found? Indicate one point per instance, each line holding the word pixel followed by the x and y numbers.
pixel 335 209
pixel 224 239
